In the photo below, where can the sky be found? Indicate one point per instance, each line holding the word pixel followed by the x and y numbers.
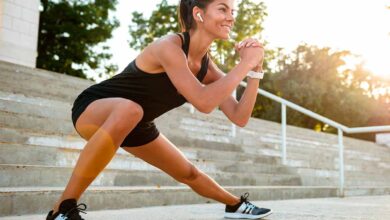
pixel 360 26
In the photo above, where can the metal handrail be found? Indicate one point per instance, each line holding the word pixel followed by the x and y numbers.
pixel 341 128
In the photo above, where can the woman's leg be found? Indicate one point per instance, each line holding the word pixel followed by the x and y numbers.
pixel 105 123
pixel 162 154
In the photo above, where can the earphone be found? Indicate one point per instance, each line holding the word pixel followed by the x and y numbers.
pixel 199 16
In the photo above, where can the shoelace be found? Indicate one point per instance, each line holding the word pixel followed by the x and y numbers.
pixel 249 205
pixel 244 197
pixel 78 208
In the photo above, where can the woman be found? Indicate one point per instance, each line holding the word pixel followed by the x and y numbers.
pixel 169 72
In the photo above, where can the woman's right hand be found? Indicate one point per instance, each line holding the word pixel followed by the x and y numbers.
pixel 251 52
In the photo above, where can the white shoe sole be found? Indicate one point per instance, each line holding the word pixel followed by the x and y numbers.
pixel 246 216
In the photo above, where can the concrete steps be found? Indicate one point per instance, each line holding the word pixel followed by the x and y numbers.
pixel 352 178
pixel 34 106
pixel 37 124
pixel 22 136
pixel 307 152
pixel 301 137
pixel 351 208
pixel 22 201
pixel 15 175
pixel 30 81
pixel 350 164
pixel 326 148
pixel 64 156
pixel 39 148
pixel 35 114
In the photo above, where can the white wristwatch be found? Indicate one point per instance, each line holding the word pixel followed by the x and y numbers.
pixel 256 75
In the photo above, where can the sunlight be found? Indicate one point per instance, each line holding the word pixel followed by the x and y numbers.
pixel 358 26
pixel 379 66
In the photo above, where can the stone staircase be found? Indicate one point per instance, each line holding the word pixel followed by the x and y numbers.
pixel 39 147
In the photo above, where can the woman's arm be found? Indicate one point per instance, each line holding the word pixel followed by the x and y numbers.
pixel 237 112
pixel 204 98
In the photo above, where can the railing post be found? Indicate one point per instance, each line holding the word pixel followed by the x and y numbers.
pixel 284 134
pixel 233 133
pixel 233 128
pixel 341 162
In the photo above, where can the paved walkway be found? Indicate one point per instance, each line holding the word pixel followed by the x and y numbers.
pixel 350 208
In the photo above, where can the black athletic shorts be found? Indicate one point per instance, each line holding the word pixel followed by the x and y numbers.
pixel 143 133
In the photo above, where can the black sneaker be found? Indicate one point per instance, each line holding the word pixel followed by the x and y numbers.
pixel 69 210
pixel 245 209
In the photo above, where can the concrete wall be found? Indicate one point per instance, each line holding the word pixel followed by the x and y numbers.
pixel 19 22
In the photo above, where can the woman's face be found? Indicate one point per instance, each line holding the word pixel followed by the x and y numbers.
pixel 219 18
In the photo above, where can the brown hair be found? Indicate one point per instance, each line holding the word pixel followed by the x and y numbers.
pixel 185 12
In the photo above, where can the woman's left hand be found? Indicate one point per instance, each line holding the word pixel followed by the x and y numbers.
pixel 250 42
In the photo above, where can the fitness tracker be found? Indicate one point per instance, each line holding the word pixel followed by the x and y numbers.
pixel 255 75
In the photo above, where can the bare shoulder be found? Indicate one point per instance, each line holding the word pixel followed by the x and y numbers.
pixel 148 60
pixel 169 38
pixel 170 41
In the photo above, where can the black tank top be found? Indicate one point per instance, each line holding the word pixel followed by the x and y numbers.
pixel 154 92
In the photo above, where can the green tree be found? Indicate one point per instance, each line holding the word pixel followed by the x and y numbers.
pixel 69 33
pixel 367 85
pixel 317 79
pixel 163 20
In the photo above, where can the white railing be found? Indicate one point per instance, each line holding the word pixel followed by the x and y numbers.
pixel 341 129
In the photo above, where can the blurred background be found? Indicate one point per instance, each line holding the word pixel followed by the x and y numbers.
pixel 332 57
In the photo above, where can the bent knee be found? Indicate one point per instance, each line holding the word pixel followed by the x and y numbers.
pixel 191 174
pixel 130 109
pixel 126 115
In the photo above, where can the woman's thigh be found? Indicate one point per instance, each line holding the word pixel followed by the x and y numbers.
pixel 164 155
pixel 98 111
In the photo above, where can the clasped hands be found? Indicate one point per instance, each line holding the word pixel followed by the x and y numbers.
pixel 252 52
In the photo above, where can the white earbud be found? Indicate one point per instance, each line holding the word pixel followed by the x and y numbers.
pixel 199 16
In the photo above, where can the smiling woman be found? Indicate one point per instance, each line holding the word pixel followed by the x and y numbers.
pixel 172 70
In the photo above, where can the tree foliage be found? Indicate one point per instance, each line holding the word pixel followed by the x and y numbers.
pixel 68 33
pixel 318 79
pixel 163 20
